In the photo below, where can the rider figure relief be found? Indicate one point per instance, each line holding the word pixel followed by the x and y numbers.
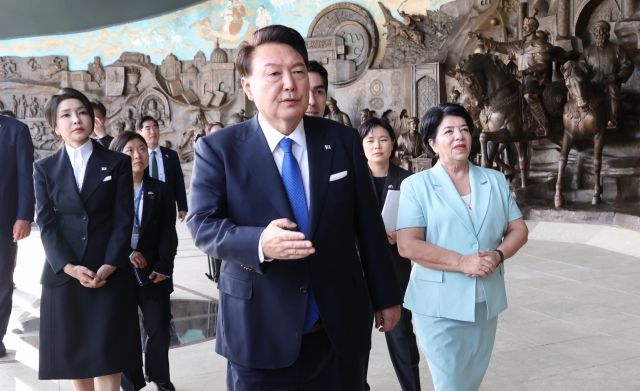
pixel 607 65
pixel 533 57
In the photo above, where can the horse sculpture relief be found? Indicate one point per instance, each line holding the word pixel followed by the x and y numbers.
pixel 584 120
pixel 505 117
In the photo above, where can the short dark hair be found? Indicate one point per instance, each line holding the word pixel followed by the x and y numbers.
pixel 207 128
pixel 96 104
pixel 7 113
pixel 367 127
pixel 271 34
pixel 316 67
pixel 51 108
pixel 434 116
pixel 144 119
pixel 120 141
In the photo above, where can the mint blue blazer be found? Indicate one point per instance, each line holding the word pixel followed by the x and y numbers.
pixel 429 199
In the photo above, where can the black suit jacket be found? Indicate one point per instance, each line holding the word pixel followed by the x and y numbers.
pixel 394 179
pixel 16 173
pixel 91 227
pixel 158 241
pixel 236 191
pixel 106 141
pixel 174 177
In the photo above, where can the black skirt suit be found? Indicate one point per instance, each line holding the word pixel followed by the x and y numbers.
pixel 86 332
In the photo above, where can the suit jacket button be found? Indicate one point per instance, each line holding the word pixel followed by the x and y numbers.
pixel 303 289
pixel 83 237
pixel 84 217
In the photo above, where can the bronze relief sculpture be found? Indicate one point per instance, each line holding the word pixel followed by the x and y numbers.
pixel 584 119
pixel 335 113
pixel 533 57
pixel 410 145
pixel 607 65
pixel 486 80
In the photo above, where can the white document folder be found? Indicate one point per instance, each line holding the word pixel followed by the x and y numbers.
pixel 390 210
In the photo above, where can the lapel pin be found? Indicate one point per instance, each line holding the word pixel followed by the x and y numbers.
pixel 150 193
pixel 390 186
pixel 327 147
pixel 167 156
pixel 104 168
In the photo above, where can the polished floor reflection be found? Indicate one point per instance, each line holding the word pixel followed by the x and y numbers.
pixel 193 321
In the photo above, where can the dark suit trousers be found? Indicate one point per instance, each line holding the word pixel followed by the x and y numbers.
pixel 8 251
pixel 317 368
pixel 401 341
pixel 156 320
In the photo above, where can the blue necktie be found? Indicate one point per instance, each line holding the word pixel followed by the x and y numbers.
pixel 292 179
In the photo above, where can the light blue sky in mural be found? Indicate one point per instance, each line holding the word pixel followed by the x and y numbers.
pixel 185 32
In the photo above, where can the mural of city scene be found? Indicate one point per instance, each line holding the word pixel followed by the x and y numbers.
pixel 557 116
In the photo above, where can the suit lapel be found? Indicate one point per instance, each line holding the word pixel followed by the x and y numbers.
pixel 392 183
pixel 319 170
pixel 256 155
pixel 166 166
pixel 147 203
pixel 98 169
pixel 448 194
pixel 62 173
pixel 481 192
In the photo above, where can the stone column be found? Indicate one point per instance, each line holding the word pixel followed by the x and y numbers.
pixel 564 10
pixel 522 13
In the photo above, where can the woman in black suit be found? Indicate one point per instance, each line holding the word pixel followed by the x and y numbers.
pixel 378 141
pixel 155 242
pixel 88 316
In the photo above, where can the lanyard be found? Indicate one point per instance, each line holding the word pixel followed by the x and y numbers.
pixel 135 217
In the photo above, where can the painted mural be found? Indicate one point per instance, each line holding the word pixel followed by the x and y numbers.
pixel 185 32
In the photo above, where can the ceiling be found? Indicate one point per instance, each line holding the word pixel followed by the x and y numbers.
pixel 32 18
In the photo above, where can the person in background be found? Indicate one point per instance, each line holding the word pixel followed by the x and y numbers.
pixel 210 128
pixel 459 224
pixel 164 163
pixel 379 144
pixel 154 244
pixel 8 113
pixel 318 86
pixel 99 130
pixel 88 314
pixel 16 210
pixel 281 199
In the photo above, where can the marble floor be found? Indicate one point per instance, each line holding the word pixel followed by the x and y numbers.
pixel 573 321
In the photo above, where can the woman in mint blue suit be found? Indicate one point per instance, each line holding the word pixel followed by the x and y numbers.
pixel 458 223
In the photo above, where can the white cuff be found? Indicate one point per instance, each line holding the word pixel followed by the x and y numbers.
pixel 260 252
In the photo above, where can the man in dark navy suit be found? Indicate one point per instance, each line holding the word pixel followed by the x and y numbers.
pixel 281 199
pixel 164 163
pixel 17 206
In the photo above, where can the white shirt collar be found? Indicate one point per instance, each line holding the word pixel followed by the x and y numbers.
pixel 157 150
pixel 273 136
pixel 85 151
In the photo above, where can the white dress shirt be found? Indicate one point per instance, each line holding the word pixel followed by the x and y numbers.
pixel 79 158
pixel 158 152
pixel 138 205
pixel 299 150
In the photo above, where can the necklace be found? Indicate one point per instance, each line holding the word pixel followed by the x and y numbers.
pixel 469 204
